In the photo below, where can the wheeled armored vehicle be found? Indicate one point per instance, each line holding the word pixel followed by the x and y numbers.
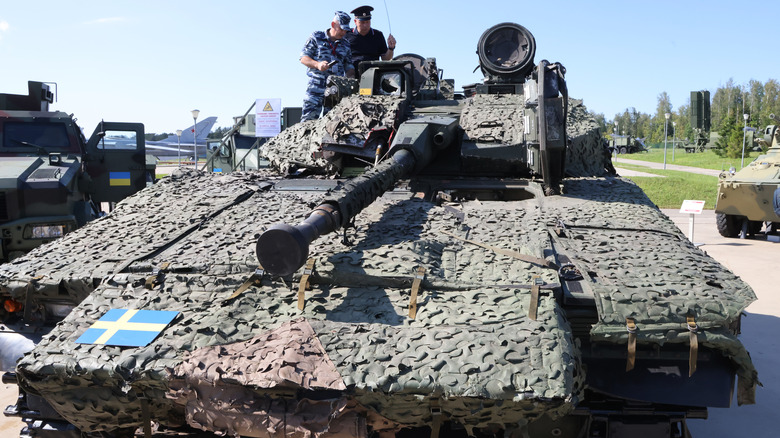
pixel 749 200
pixel 52 179
pixel 419 262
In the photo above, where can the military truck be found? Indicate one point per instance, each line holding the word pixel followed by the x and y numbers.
pixel 623 144
pixel 51 178
pixel 747 199
pixel 238 149
pixel 485 274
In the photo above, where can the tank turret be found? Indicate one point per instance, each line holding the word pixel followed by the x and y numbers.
pixel 532 144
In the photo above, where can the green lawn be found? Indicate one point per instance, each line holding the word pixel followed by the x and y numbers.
pixel 705 160
pixel 671 191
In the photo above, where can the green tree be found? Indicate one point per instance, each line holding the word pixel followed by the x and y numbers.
pixel 729 144
pixel 659 127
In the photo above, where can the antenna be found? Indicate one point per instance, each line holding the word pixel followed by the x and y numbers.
pixel 389 28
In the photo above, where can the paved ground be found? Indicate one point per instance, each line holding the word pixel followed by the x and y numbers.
pixel 753 260
pixel 626 172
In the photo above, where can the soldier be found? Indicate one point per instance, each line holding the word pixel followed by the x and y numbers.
pixel 368 44
pixel 325 53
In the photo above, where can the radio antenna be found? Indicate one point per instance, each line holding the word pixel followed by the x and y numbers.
pixel 389 28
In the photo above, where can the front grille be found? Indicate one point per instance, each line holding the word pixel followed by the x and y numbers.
pixel 45 173
pixel 3 207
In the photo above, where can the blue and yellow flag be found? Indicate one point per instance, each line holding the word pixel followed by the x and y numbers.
pixel 119 178
pixel 127 327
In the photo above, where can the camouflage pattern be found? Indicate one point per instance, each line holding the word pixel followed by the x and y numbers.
pixel 466 301
pixel 319 48
pixel 355 323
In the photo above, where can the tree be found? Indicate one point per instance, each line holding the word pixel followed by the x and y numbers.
pixel 659 121
pixel 729 144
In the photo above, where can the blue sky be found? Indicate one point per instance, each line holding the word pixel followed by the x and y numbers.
pixel 154 61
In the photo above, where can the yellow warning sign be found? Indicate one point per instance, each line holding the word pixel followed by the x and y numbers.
pixel 267 107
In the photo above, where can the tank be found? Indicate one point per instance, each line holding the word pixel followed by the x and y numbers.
pixel 52 179
pixel 422 261
pixel 749 200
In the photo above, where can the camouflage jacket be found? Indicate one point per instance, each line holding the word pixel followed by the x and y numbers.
pixel 319 48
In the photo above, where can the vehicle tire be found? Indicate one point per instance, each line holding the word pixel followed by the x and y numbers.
pixel 728 224
pixel 623 150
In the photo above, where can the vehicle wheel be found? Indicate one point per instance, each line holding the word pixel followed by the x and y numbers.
pixel 728 224
pixel 623 150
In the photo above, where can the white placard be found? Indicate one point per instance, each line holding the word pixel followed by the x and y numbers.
pixel 692 207
pixel 268 114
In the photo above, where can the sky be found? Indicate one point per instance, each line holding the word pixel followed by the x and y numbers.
pixel 155 61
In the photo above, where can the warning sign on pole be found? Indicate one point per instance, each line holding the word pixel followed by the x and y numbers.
pixel 268 113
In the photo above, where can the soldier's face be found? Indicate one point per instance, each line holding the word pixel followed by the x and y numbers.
pixel 336 31
pixel 363 26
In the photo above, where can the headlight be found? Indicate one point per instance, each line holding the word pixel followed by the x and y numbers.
pixel 45 231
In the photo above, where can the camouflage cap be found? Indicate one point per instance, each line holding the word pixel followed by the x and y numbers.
pixel 342 18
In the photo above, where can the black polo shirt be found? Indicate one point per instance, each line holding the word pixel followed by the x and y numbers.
pixel 366 48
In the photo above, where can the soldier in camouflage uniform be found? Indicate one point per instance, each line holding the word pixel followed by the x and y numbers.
pixel 325 53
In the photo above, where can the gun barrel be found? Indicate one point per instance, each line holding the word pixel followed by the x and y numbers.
pixel 283 249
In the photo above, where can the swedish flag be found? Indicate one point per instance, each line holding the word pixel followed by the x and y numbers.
pixel 127 327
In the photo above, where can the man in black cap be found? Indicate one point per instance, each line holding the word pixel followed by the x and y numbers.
pixel 368 44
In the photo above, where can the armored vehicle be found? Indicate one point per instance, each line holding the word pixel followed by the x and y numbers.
pixel 748 200
pixel 51 178
pixel 481 274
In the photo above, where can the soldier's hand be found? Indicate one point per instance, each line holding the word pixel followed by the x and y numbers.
pixel 391 42
pixel 322 65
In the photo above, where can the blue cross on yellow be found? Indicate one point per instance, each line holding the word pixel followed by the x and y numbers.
pixel 127 327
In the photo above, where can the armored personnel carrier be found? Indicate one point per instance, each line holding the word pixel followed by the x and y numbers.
pixel 51 178
pixel 483 273
pixel 749 199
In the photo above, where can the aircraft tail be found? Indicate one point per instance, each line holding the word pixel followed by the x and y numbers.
pixel 200 131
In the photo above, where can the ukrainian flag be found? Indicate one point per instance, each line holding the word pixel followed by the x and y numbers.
pixel 127 327
pixel 118 178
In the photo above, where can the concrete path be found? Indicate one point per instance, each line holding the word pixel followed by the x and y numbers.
pixel 617 161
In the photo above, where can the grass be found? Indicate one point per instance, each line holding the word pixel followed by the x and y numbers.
pixel 704 160
pixel 671 191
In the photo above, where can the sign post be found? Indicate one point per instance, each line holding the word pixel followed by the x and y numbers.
pixel 268 113
pixel 691 207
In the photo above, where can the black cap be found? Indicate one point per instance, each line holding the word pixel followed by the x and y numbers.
pixel 363 12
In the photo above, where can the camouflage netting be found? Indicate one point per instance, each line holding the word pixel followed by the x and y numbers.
pixel 470 348
pixel 484 118
pixel 586 154
pixel 299 146
pixel 246 365
pixel 493 118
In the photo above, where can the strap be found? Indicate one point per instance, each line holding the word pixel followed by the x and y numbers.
pixel 436 419
pixel 146 416
pixel 693 329
pixel 532 309
pixel 631 359
pixel 255 279
pixel 156 277
pixel 304 284
pixel 418 278
pixel 508 252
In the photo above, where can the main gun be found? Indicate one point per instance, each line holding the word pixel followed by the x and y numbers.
pixel 283 248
